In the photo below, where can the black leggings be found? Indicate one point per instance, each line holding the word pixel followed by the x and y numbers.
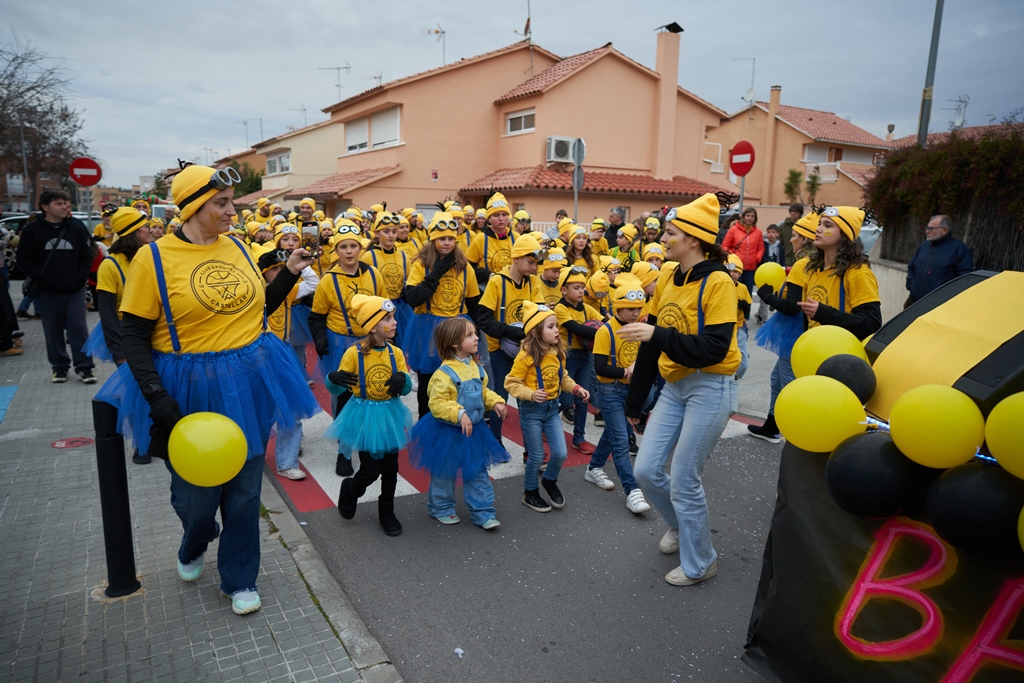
pixel 422 398
pixel 339 402
pixel 369 469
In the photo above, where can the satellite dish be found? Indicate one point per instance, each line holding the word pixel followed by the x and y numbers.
pixel 748 96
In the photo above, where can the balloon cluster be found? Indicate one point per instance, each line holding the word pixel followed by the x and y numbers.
pixel 974 505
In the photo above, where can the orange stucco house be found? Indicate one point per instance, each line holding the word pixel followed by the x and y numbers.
pixel 494 122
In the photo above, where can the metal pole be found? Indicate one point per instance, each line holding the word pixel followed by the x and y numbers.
pixel 26 185
pixel 575 204
pixel 117 513
pixel 743 184
pixel 929 79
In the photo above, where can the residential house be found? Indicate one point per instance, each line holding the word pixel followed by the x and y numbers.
pixel 296 159
pixel 14 191
pixel 256 161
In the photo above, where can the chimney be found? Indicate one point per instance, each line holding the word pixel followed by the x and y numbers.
pixel 889 137
pixel 769 146
pixel 667 66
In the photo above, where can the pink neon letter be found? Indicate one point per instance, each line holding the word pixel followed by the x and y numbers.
pixel 989 645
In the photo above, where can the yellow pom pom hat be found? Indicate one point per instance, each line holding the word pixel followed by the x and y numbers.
pixel 370 310
pixel 808 225
pixel 848 218
pixel 443 224
pixel 496 204
pixel 125 220
pixel 627 292
pixel 698 219
pixel 195 185
pixel 534 314
pixel 527 246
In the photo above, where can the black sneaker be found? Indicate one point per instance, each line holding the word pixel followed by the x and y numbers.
pixel 569 416
pixel 344 466
pixel 553 493
pixel 766 434
pixel 60 376
pixel 633 448
pixel 87 376
pixel 598 419
pixel 140 459
pixel 532 500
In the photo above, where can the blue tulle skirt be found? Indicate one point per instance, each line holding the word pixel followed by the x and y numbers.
pixel 299 334
pixel 256 386
pixel 96 345
pixel 418 343
pixel 337 345
pixel 403 316
pixel 442 449
pixel 374 427
pixel 780 332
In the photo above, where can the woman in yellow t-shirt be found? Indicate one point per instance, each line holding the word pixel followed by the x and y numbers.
pixel 690 338
pixel 393 264
pixel 195 339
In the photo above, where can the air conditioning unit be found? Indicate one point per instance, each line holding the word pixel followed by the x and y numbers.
pixel 560 149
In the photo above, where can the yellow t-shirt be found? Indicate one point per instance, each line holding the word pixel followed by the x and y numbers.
pixel 625 351
pixel 410 247
pixel 101 233
pixel 325 262
pixel 449 299
pixel 464 241
pixel 376 369
pixel 582 263
pixel 565 313
pixel 393 267
pixel 280 321
pixel 743 294
pixel 111 277
pixel 326 298
pixel 216 295
pixel 676 307
pixel 798 273
pixel 515 295
pixel 626 258
pixel 499 251
pixel 859 284
pixel 552 294
pixel 521 380
pixel 599 247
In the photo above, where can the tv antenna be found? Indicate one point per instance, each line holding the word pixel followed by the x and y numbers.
pixel 376 76
pixel 338 69
pixel 302 108
pixel 245 122
pixel 961 112
pixel 748 96
pixel 439 32
pixel 528 34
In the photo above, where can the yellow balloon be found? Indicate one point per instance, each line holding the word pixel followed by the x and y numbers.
pixel 207 449
pixel 936 426
pixel 1020 529
pixel 821 342
pixel 770 273
pixel 1004 434
pixel 816 413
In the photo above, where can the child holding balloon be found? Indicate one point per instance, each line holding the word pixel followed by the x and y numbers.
pixel 375 423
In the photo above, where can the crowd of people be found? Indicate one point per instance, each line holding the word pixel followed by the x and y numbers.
pixel 641 326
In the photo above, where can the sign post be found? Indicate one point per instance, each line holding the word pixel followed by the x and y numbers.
pixel 579 151
pixel 741 160
pixel 85 172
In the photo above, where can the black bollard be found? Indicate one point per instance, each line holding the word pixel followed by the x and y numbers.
pixel 117 514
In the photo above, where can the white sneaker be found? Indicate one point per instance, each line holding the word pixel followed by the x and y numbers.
pixel 293 473
pixel 669 543
pixel 597 476
pixel 636 503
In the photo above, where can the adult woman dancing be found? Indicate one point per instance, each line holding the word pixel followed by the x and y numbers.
pixel 194 335
pixel 690 339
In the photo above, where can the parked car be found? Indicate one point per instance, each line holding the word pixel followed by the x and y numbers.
pixel 90 219
pixel 869 234
pixel 10 231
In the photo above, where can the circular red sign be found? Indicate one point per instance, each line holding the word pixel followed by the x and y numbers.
pixel 85 171
pixel 741 158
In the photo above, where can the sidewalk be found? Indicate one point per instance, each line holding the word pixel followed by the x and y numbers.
pixel 55 622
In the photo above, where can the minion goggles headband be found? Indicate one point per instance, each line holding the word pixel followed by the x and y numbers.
pixel 220 180
pixel 633 295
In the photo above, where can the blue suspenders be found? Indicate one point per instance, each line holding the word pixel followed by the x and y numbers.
pixel 611 341
pixel 362 370
pixel 540 377
pixel 116 265
pixel 700 306
pixel 341 304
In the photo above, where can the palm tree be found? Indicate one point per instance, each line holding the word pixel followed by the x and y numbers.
pixel 791 188
pixel 813 185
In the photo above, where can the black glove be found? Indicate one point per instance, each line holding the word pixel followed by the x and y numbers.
pixel 342 378
pixel 443 265
pixel 764 292
pixel 322 349
pixel 164 412
pixel 396 383
pixel 516 334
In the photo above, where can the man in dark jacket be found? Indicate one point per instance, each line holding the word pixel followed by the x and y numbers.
pixel 55 252
pixel 796 212
pixel 938 260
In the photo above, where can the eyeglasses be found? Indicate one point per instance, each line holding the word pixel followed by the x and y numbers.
pixel 346 229
pixel 555 257
pixel 219 180
pixel 932 227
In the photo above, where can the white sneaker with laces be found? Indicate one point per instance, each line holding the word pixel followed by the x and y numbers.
pixel 597 476
pixel 636 503
pixel 293 473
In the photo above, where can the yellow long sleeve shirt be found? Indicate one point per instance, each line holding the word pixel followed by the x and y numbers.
pixel 521 381
pixel 443 394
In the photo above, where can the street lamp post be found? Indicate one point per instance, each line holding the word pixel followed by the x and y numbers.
pixel 929 79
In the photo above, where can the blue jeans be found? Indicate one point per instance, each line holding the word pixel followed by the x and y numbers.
pixel 501 365
pixel 741 341
pixel 478 492
pixel 537 419
pixel 782 374
pixel 63 317
pixel 611 399
pixel 683 429
pixel 288 443
pixel 26 302
pixel 578 366
pixel 238 555
pixel 484 354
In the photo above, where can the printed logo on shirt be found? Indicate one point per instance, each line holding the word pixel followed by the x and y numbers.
pixel 376 378
pixel 449 291
pixel 671 315
pixel 551 378
pixel 222 287
pixel 628 352
pixel 394 276
pixel 818 293
pixel 500 258
pixel 514 312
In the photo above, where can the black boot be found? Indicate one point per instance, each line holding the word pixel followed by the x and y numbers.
pixel 344 466
pixel 140 459
pixel 633 448
pixel 347 499
pixel 769 431
pixel 386 512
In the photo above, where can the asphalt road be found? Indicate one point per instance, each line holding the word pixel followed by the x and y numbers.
pixel 576 594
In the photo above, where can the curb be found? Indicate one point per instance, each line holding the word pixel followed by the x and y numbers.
pixel 363 649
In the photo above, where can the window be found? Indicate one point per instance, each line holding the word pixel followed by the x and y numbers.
pixel 357 135
pixel 284 162
pixel 815 153
pixel 271 166
pixel 43 175
pixel 384 127
pixel 858 156
pixel 519 122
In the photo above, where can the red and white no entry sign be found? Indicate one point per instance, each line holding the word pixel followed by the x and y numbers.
pixel 85 171
pixel 741 158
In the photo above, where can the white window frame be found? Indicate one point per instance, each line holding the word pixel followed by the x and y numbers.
pixel 271 165
pixel 283 161
pixel 521 114
pixel 398 129
pixel 359 146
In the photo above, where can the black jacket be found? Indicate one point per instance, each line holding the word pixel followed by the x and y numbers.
pixel 936 263
pixel 69 268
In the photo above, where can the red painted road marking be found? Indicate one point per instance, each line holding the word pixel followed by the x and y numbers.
pixel 74 442
pixel 306 495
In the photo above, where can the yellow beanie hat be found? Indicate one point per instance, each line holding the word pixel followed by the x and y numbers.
pixel 628 292
pixel 571 274
pixel 628 231
pixel 408 211
pixel 443 224
pixel 734 263
pixel 286 229
pixel 527 246
pixel 191 188
pixel 698 219
pixel 456 210
pixel 261 202
pixel 520 216
pixel 653 249
pixel 534 314
pixel 469 210
pixel 481 212
pixel 553 258
pixel 848 218
pixel 319 215
pixel 370 310
pixel 645 272
pixel 292 215
pixel 125 220
pixel 308 201
pixel 565 225
pixel 597 224
pixel 347 230
pixel 807 226
pixel 597 285
pixel 496 204
pixel 606 263
pixel 652 223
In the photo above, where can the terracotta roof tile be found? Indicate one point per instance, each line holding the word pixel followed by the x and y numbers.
pixel 551 180
pixel 971 133
pixel 827 127
pixel 861 176
pixel 335 185
pixel 553 74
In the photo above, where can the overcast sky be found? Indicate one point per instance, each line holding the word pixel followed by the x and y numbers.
pixel 157 81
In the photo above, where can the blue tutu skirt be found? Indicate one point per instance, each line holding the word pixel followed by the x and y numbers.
pixel 337 345
pixel 374 427
pixel 299 334
pixel 256 386
pixel 442 449
pixel 96 345
pixel 418 343
pixel 780 333
pixel 403 316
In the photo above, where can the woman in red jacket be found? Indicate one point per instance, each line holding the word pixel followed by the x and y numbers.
pixel 746 240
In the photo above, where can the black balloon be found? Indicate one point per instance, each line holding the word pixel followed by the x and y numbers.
pixel 975 507
pixel 868 476
pixel 852 371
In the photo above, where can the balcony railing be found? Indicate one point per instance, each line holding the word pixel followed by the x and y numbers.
pixel 828 171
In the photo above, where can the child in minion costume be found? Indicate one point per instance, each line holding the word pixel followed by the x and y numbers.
pixel 491 250
pixel 654 254
pixel 550 269
pixel 598 243
pixel 295 316
pixel 625 250
pixel 393 265
pixel 521 221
